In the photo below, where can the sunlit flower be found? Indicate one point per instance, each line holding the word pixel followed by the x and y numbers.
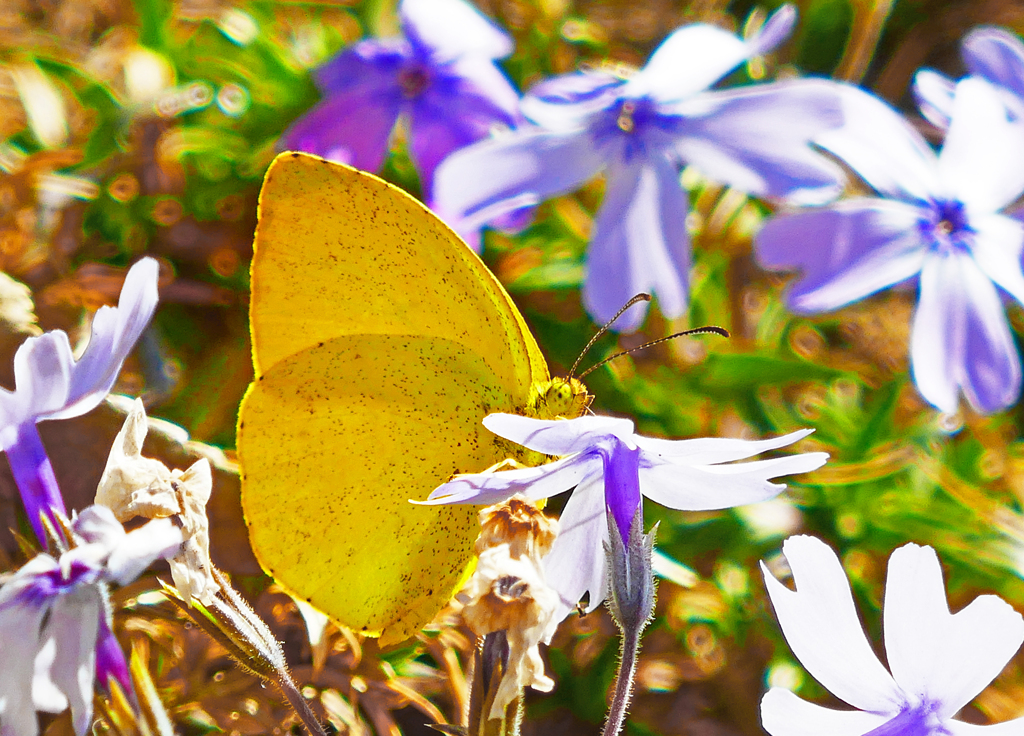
pixel 611 467
pixel 639 131
pixel 51 384
pixel 53 610
pixel 440 74
pixel 938 222
pixel 938 661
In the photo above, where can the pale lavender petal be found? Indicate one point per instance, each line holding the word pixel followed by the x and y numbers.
pixel 496 176
pixel 42 381
pixel 576 562
pixel 757 138
pixel 138 549
pixel 883 148
pixel 997 247
pixel 846 251
pixel 934 94
pixel 19 631
pixel 565 102
pixel 776 29
pixel 996 55
pixel 679 485
pixel 821 626
pixel 980 162
pixel 452 28
pixel 712 450
pixel 74 625
pixel 961 338
pixel 96 524
pixel 115 330
pixel 938 657
pixel 784 714
pixel 559 436
pixel 351 128
pixel 534 483
pixel 639 244
pixel 694 57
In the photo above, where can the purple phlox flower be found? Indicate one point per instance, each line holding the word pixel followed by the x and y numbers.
pixel 938 661
pixel 51 384
pixel 938 220
pixel 989 53
pixel 639 131
pixel 440 74
pixel 53 611
pixel 611 467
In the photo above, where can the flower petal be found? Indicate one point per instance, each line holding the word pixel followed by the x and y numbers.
pixel 19 631
pixel 784 714
pixel 558 436
pixel 639 244
pixel 352 128
pixel 694 57
pixel 576 563
pixel 139 548
pixel 711 450
pixel 997 248
pixel 454 116
pixel 42 381
pixel 757 138
pixel 452 28
pixel 74 625
pixel 882 147
pixel 563 103
pixel 961 338
pixel 997 56
pixel 934 94
pixel 679 485
pixel 534 483
pixel 821 626
pixel 938 657
pixel 846 252
pixel 115 330
pixel 980 161
pixel 495 176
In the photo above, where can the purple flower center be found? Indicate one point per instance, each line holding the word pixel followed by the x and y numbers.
pixel 947 226
pixel 413 80
pixel 634 124
pixel 919 721
pixel 48 585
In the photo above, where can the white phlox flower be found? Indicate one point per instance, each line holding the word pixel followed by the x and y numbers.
pixel 938 661
pixel 51 612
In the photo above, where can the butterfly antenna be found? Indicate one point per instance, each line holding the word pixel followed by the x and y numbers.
pixel 641 297
pixel 695 331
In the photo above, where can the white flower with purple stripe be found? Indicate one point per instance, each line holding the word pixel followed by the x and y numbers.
pixel 639 131
pixel 938 661
pixel 938 222
pixel 611 467
pixel 53 615
pixel 51 384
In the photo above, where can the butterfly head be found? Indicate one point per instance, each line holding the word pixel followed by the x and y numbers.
pixel 565 398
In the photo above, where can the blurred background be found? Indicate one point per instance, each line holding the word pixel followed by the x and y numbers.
pixel 132 128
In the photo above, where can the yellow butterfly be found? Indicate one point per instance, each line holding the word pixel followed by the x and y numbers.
pixel 380 342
